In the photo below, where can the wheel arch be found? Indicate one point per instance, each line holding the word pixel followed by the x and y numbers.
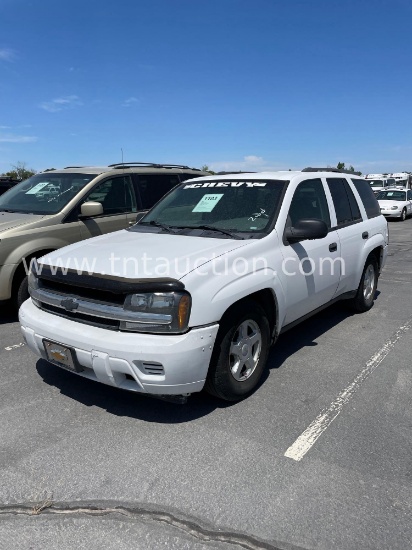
pixel 267 299
pixel 21 269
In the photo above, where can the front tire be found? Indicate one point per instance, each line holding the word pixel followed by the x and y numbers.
pixel 240 352
pixel 403 215
pixel 22 293
pixel 365 295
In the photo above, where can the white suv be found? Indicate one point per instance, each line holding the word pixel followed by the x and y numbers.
pixel 195 293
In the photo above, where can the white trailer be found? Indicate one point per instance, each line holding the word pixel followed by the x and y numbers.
pixel 403 178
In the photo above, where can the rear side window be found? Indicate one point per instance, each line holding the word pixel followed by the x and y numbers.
pixel 152 187
pixel 368 198
pixel 346 207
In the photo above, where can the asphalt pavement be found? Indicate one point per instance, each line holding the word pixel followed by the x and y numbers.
pixel 319 457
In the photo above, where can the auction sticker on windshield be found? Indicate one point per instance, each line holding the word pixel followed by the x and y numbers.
pixel 207 203
pixel 36 188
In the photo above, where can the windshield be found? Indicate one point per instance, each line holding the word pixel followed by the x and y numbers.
pixel 376 183
pixel 392 196
pixel 44 193
pixel 237 206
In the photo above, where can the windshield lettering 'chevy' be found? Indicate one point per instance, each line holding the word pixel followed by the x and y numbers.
pixel 225 184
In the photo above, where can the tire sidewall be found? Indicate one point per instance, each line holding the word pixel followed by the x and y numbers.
pixel 223 382
pixel 22 292
pixel 366 305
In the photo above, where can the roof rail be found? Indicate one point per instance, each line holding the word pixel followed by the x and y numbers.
pixel 67 167
pixel 119 165
pixel 328 169
pixel 236 172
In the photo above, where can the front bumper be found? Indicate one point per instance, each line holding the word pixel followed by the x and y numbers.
pixel 391 213
pixel 121 359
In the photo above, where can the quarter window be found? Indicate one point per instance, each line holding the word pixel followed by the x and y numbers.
pixel 346 207
pixel 368 198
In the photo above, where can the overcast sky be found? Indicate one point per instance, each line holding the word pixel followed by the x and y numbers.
pixel 234 84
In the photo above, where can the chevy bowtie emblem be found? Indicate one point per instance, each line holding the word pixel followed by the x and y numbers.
pixel 58 355
pixel 69 304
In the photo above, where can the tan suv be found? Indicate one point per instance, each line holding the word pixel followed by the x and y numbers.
pixel 60 207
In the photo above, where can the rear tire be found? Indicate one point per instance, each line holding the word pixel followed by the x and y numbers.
pixel 365 295
pixel 240 353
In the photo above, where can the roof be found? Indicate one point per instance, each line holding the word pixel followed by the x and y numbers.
pixel 140 166
pixel 286 175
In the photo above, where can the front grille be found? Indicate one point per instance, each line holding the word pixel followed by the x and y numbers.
pixel 94 300
pixel 81 318
pixel 92 294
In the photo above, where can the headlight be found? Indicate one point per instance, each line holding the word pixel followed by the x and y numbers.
pixel 158 312
pixel 394 207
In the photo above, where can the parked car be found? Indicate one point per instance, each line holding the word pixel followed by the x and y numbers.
pixel 395 203
pixel 207 280
pixel 60 207
pixel 7 183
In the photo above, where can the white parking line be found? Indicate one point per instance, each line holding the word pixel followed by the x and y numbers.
pixel 312 433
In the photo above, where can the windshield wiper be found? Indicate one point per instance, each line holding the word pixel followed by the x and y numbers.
pixel 158 224
pixel 213 228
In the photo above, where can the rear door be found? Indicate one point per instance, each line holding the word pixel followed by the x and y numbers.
pixel 350 228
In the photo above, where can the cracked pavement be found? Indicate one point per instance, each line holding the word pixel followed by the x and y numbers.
pixel 116 470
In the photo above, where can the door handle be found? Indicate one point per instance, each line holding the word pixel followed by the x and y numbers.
pixel 365 235
pixel 333 247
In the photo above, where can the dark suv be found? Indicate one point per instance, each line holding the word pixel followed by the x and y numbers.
pixel 7 183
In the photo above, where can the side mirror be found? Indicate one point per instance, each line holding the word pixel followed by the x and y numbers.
pixel 90 209
pixel 140 215
pixel 307 229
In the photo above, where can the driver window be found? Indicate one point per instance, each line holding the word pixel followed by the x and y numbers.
pixel 115 195
pixel 309 202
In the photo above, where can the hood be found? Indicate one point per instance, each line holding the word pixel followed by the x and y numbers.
pixel 9 220
pixel 134 255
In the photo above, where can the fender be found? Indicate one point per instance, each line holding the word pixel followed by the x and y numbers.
pixel 371 244
pixel 30 248
pixel 220 283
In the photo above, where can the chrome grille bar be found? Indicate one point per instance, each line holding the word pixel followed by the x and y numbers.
pixel 68 302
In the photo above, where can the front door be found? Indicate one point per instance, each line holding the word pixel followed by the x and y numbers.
pixel 119 204
pixel 311 268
